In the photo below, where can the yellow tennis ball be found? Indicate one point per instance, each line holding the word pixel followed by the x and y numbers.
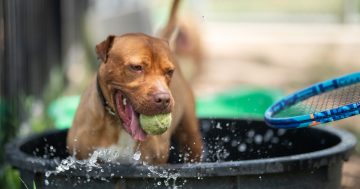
pixel 155 125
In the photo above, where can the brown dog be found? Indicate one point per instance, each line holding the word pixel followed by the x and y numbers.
pixel 188 48
pixel 137 75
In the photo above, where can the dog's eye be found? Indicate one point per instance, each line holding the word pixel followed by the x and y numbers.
pixel 170 72
pixel 137 68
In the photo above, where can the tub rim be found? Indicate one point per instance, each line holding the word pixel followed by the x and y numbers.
pixel 306 161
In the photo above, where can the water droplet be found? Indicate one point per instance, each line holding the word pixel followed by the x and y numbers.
pixel 281 132
pixel 218 126
pixel 226 139
pixel 137 155
pixel 290 144
pixel 206 126
pixel 250 134
pixel 234 143
pixel 46 182
pixel 258 139
pixel 275 140
pixel 268 135
pixel 242 147
pixel 47 173
pixel 159 183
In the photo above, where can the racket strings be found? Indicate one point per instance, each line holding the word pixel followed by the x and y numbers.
pixel 328 100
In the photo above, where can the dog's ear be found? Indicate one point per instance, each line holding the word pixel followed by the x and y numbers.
pixel 103 48
pixel 172 38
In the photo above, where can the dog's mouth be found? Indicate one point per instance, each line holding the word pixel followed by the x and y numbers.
pixel 129 117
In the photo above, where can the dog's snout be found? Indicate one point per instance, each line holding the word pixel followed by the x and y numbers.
pixel 162 99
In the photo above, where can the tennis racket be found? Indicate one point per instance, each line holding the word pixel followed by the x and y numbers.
pixel 320 103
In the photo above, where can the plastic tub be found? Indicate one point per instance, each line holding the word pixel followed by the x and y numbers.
pixel 238 154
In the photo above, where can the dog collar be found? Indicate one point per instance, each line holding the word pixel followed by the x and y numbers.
pixel 104 102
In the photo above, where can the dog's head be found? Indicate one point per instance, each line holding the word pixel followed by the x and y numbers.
pixel 136 71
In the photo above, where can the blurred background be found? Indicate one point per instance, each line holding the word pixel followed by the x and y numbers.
pixel 240 56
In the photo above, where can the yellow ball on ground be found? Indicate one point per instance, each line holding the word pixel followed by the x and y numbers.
pixel 155 125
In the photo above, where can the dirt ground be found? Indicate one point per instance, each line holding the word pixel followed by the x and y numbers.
pixel 281 56
pixel 284 56
pixel 351 173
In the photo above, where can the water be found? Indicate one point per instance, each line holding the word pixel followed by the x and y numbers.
pixel 137 155
pixel 242 147
pixel 72 163
pixel 222 148
pixel 268 135
pixel 167 176
pixel 258 139
pixel 218 126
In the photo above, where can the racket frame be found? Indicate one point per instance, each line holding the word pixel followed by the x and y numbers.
pixel 317 118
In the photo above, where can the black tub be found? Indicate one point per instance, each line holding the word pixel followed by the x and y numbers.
pixel 239 154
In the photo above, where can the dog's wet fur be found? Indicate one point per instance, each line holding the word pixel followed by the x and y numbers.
pixel 140 69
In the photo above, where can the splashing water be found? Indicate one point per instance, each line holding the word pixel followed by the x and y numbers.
pixel 242 147
pixel 258 139
pixel 137 155
pixel 218 126
pixel 167 175
pixel 220 149
pixel 71 163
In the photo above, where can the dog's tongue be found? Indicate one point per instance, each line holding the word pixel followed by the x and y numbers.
pixel 129 118
pixel 135 130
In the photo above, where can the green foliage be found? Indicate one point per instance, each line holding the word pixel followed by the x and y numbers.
pixel 35 111
pixel 8 127
pixel 9 178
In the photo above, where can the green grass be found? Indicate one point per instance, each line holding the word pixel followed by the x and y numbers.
pixel 34 185
pixel 9 178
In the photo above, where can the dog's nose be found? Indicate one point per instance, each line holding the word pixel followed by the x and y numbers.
pixel 162 99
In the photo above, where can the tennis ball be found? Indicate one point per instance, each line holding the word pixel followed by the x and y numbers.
pixel 155 125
